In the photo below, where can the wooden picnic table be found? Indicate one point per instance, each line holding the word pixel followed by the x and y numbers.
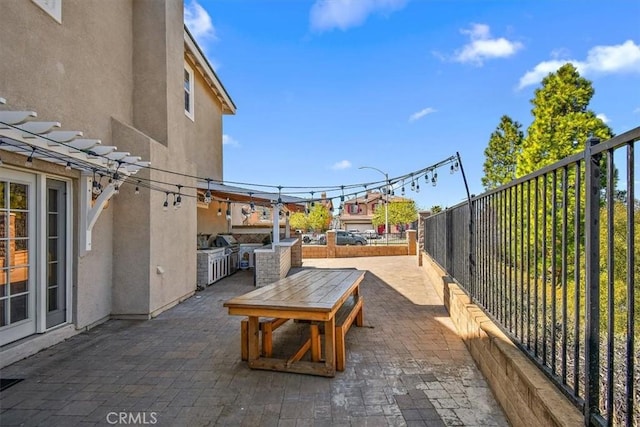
pixel 313 295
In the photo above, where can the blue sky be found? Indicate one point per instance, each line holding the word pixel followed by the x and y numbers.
pixel 324 87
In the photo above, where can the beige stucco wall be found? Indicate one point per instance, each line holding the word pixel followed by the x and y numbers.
pixel 46 67
pixel 114 70
pixel 203 135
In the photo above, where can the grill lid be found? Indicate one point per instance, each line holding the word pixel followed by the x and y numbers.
pixel 223 240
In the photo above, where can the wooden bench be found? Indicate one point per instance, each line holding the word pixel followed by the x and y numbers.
pixel 351 309
pixel 266 327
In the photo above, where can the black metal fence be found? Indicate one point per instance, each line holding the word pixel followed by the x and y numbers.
pixel 554 259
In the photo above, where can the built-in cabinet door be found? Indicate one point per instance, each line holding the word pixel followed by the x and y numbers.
pixel 56 243
pixel 17 260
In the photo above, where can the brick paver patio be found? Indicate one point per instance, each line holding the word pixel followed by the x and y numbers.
pixel 183 368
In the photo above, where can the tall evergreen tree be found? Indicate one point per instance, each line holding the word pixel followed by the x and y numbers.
pixel 561 122
pixel 501 155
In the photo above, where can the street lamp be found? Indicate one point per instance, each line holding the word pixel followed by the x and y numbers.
pixel 386 203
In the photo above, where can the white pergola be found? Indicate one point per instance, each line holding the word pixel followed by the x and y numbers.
pixel 21 133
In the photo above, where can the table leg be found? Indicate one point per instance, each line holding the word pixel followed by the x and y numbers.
pixel 253 338
pixel 330 345
pixel 315 343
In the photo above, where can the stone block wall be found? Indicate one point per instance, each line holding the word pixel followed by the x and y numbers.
pixel 331 250
pixel 524 392
pixel 274 263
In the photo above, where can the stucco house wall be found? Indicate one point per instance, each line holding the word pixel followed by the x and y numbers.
pixel 115 70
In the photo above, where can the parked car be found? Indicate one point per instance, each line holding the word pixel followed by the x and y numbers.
pixel 371 234
pixel 347 238
pixel 311 237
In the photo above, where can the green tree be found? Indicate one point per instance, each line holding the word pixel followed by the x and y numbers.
pixel 319 218
pixel 502 152
pixel 561 122
pixel 435 209
pixel 299 221
pixel 400 213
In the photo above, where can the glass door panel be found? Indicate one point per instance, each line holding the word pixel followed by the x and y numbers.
pixel 17 230
pixel 56 252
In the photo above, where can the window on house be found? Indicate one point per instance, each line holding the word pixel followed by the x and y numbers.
pixel 188 91
pixel 353 209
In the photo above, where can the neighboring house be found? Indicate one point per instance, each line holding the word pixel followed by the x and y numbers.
pixel 357 213
pixel 129 74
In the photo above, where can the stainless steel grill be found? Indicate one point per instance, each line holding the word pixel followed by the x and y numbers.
pixel 232 247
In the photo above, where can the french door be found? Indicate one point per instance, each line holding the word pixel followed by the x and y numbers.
pixel 17 255
pixel 34 237
pixel 56 244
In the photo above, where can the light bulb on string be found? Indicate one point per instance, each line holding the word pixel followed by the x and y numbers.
pixel 207 195
pixel 177 204
pixel 29 162
pixel 137 188
pixel 165 205
pixel 417 187
pixel 219 208
pixel 68 166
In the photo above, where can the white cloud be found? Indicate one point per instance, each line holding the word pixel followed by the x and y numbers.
pixel 603 117
pixel 344 14
pixel 542 69
pixel 622 58
pixel 342 164
pixel 198 21
pixel 420 114
pixel 227 140
pixel 482 46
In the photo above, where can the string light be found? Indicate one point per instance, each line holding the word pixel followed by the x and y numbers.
pixel 207 195
pixel 137 188
pixel 29 161
pixel 165 205
pixel 177 201
pixel 68 166
pixel 219 208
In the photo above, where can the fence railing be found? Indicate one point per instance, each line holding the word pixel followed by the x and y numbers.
pixel 554 259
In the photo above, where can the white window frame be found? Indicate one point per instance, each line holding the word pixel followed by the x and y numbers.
pixel 52 7
pixel 191 91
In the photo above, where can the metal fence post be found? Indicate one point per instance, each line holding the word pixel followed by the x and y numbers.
pixel 472 249
pixel 448 253
pixel 592 279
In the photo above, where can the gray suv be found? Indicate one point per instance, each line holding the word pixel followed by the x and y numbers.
pixel 347 238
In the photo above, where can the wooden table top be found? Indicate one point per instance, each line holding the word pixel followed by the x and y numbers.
pixel 300 295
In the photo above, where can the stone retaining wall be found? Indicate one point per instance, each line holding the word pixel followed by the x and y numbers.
pixel 524 392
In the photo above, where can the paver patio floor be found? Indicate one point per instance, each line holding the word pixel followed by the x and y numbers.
pixel 407 366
